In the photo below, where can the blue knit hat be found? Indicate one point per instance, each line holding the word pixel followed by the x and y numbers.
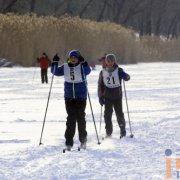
pixel 74 53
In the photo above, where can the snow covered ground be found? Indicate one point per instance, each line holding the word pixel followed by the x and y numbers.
pixel 153 98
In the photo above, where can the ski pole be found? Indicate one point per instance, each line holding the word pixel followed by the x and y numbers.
pixel 100 120
pixel 91 107
pixel 40 143
pixel 128 110
pixel 93 119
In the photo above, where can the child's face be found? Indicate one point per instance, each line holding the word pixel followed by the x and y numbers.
pixel 109 63
pixel 74 60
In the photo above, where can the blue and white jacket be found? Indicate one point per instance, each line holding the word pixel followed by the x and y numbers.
pixel 75 85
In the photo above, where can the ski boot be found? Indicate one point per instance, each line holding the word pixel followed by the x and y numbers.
pixel 123 133
pixel 83 145
pixel 67 148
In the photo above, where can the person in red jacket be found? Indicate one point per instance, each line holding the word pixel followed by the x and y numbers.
pixel 44 63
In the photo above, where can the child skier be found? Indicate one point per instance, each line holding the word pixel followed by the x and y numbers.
pixel 110 93
pixel 75 94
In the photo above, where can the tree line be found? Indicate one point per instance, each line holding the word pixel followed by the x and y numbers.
pixel 146 17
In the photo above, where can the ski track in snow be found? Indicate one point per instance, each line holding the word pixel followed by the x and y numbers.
pixel 152 92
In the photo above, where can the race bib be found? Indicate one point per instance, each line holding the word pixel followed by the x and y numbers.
pixel 72 74
pixel 111 79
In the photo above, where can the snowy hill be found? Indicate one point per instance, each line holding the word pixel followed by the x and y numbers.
pixel 153 98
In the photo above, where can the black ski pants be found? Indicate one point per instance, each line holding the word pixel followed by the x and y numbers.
pixel 76 113
pixel 44 77
pixel 117 105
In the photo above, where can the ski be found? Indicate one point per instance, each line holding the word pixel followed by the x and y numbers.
pixel 64 150
pixel 79 148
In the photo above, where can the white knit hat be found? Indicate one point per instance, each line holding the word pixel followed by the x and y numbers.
pixel 111 57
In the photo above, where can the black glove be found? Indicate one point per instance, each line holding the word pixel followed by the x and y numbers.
pixel 101 101
pixel 84 63
pixel 81 59
pixel 127 78
pixel 56 58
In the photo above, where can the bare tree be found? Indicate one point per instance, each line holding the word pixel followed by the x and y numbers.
pixel 172 28
pixel 141 25
pixel 145 16
pixel 9 6
pixel 148 24
pixel 85 8
pixel 100 17
pixel 119 5
pixel 59 5
pixel 133 10
pixel 160 16
pixel 32 5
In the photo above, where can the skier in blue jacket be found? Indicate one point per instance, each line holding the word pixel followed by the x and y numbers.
pixel 75 94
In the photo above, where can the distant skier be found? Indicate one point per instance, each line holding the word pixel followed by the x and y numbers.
pixel 56 58
pixel 110 93
pixel 102 61
pixel 44 63
pixel 75 94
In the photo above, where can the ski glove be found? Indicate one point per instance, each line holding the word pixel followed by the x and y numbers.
pixel 56 58
pixel 81 59
pixel 85 63
pixel 127 77
pixel 101 101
